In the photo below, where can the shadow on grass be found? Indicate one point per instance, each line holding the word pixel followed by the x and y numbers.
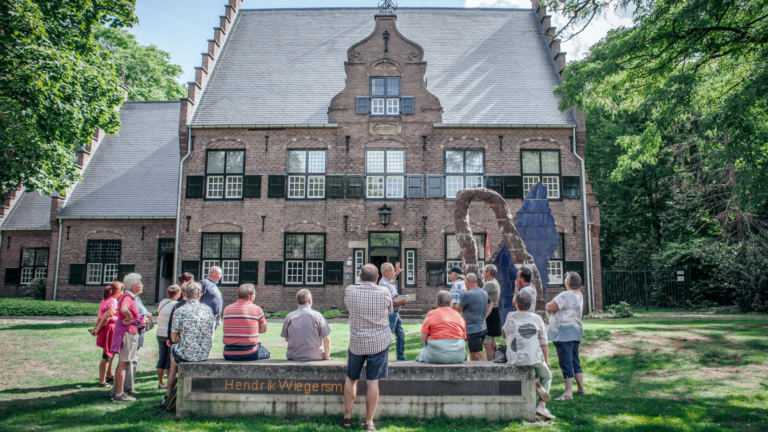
pixel 46 327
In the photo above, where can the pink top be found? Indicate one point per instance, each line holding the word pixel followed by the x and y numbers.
pixel 106 304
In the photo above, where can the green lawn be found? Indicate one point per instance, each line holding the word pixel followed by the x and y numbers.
pixel 641 375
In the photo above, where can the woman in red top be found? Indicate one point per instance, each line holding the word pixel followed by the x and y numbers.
pixel 443 333
pixel 105 327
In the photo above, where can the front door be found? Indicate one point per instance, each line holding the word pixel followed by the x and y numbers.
pixel 384 247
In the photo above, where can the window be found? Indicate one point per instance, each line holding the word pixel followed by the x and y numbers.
pixel 385 171
pixel 304 259
pixel 541 166
pixel 222 250
pixel 34 265
pixel 224 174
pixel 385 96
pixel 453 254
pixel 556 262
pixel 410 267
pixel 463 169
pixel 359 263
pixel 306 174
pixel 102 261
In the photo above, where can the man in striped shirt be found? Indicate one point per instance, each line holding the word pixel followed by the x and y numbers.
pixel 369 307
pixel 243 322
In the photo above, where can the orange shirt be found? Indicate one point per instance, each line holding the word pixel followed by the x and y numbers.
pixel 444 323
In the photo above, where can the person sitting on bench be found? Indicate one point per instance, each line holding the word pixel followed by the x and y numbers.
pixel 306 331
pixel 443 334
pixel 243 322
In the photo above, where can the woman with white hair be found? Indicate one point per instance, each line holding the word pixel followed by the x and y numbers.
pixel 566 332
pixel 443 333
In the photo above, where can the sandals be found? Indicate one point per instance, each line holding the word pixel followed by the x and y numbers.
pixel 563 398
pixel 104 385
pixel 581 393
pixel 346 423
pixel 110 379
pixel 371 427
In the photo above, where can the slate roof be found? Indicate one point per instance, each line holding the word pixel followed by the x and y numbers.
pixel 31 212
pixel 283 66
pixel 135 173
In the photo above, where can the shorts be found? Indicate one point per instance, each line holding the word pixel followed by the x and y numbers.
pixel 129 348
pixel 488 340
pixel 377 365
pixel 177 358
pixel 475 341
pixel 164 353
pixel 104 356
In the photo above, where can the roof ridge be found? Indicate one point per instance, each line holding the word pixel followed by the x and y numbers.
pixel 148 102
pixel 373 8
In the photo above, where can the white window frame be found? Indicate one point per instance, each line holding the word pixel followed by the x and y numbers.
pixel 226 256
pixel 315 187
pixel 386 104
pixel 94 273
pixel 230 271
pixel 551 180
pixel 410 267
pixel 111 271
pixel 297 278
pixel 41 272
pixel 555 272
pixel 460 180
pixel 393 107
pixel 314 272
pixel 27 275
pixel 359 263
pixel 528 183
pixel 207 264
pixel 377 106
pixel 215 187
pixel 296 186
pixel 552 183
pixel 225 185
pixel 234 186
pixel 377 185
pixel 31 270
pixel 395 187
pixel 304 185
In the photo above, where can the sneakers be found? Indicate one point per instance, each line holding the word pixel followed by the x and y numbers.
pixel 543 394
pixel 544 413
pixel 162 386
pixel 123 398
pixel 131 391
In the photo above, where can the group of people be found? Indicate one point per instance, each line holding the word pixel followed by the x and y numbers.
pixel 465 317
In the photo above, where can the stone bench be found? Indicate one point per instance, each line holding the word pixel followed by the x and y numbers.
pixel 281 387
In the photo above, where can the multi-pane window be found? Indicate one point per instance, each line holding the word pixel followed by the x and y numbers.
pixel 385 170
pixel 463 169
pixel 410 267
pixel 359 263
pixel 224 174
pixel 385 96
pixel 556 263
pixel 541 166
pixel 102 260
pixel 304 259
pixel 306 174
pixel 34 265
pixel 453 254
pixel 222 250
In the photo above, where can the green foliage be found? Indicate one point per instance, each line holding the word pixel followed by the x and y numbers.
pixel 148 71
pixel 331 314
pixel 36 290
pixel 621 310
pixel 56 87
pixel 28 307
pixel 278 314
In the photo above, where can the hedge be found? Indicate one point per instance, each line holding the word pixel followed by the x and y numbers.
pixel 28 307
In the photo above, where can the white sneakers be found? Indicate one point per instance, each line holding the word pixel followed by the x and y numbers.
pixel 543 394
pixel 544 413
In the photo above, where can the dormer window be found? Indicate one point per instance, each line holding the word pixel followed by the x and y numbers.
pixel 385 96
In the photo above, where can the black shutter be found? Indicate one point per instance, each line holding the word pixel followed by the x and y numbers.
pixel 252 186
pixel 575 266
pixel 191 266
pixel 334 272
pixel 361 105
pixel 495 183
pixel 415 186
pixel 76 274
pixel 195 186
pixel 334 186
pixel 435 186
pixel 11 276
pixel 273 273
pixel 355 186
pixel 124 269
pixel 571 187
pixel 407 105
pixel 513 187
pixel 435 273
pixel 249 272
pixel 276 187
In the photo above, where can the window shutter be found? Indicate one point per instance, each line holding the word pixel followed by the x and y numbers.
pixel 252 186
pixel 571 187
pixel 355 186
pixel 575 266
pixel 407 105
pixel 77 274
pixel 191 266
pixel 249 272
pixel 273 273
pixel 334 272
pixel 435 186
pixel 334 186
pixel 415 186
pixel 495 183
pixel 124 269
pixel 361 105
pixel 12 276
pixel 435 273
pixel 195 186
pixel 513 187
pixel 276 187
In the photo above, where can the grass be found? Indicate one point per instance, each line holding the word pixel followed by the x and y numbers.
pixel 659 375
pixel 28 307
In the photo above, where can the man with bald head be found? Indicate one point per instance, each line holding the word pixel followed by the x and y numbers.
pixel 475 305
pixel 211 296
pixel 389 275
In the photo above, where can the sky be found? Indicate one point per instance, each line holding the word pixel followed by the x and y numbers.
pixel 182 27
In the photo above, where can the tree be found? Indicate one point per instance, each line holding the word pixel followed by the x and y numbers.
pixel 146 70
pixel 56 87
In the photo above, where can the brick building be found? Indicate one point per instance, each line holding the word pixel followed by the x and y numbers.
pixel 313 141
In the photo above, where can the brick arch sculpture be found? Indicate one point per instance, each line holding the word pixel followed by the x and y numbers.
pixel 508 231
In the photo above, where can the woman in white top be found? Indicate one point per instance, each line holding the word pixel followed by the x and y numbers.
pixel 164 310
pixel 566 332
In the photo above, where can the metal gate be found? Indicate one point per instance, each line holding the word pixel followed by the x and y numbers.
pixel 647 288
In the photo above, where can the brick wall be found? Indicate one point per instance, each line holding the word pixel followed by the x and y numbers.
pixel 10 256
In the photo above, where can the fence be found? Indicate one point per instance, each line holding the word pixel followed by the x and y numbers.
pixel 647 288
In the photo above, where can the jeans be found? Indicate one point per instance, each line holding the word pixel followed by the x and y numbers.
pixel 164 353
pixel 396 326
pixel 543 374
pixel 568 357
pixel 259 353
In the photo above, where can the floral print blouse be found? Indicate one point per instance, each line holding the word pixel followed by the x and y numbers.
pixel 194 323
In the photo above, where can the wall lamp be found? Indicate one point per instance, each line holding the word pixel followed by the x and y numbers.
pixel 385 214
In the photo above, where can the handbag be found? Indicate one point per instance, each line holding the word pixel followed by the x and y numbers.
pixel 500 355
pixel 493 322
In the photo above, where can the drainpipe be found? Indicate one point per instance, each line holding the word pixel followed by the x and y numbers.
pixel 58 258
pixel 178 204
pixel 587 245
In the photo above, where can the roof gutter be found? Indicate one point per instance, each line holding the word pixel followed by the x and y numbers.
pixel 24 229
pixel 267 126
pixel 117 217
pixel 178 203
pixel 587 243
pixel 501 126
